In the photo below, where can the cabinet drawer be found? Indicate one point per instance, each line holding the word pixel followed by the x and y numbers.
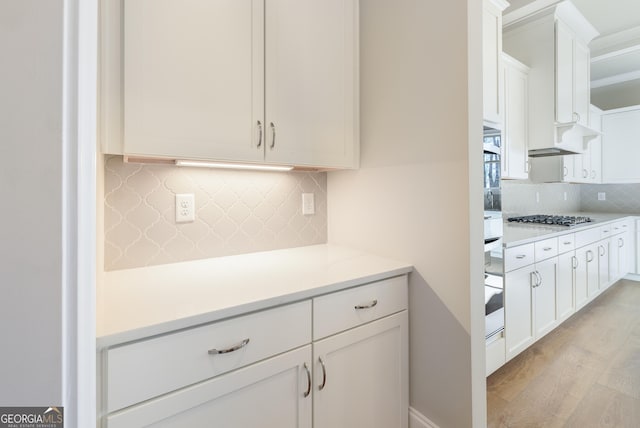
pixel 621 226
pixel 566 243
pixel 496 354
pixel 546 249
pixel 349 308
pixel 148 368
pixel 586 237
pixel 606 230
pixel 517 257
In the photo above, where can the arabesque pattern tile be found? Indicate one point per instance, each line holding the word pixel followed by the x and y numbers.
pixel 236 212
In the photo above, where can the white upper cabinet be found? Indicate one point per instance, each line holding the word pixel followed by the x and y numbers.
pixel 311 82
pixel 491 60
pixel 621 145
pixel 262 81
pixel 193 78
pixel 516 82
pixel 554 43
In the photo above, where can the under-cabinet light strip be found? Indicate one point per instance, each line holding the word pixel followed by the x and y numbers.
pixel 204 164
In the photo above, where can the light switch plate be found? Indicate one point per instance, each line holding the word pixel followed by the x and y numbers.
pixel 308 204
pixel 602 196
pixel 185 208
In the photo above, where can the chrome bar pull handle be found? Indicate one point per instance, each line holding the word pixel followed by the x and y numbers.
pixel 539 279
pixel 324 375
pixel 259 134
pixel 273 135
pixel 601 247
pixel 308 391
pixel 228 350
pixel 521 256
pixel 574 262
pixel 620 242
pixel 548 248
pixel 370 305
pixel 589 253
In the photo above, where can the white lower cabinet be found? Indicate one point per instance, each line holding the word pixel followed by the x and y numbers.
pixel 337 360
pixel 565 299
pixel 267 394
pixel 361 376
pixel 586 274
pixel 530 304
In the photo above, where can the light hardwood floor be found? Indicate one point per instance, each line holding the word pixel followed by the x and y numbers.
pixel 585 373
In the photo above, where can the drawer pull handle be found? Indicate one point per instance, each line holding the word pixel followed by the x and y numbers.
pixel 605 231
pixel 370 305
pixel 324 375
pixel 548 248
pixel 308 391
pixel 232 349
pixel 567 243
pixel 521 256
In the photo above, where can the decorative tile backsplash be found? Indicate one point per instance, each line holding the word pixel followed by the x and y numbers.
pixel 619 198
pixel 236 212
pixel 519 198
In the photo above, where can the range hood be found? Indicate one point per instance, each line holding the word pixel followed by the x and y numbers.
pixel 572 139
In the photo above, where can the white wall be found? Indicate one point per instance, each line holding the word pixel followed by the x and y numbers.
pixel 47 188
pixel 31 43
pixel 410 199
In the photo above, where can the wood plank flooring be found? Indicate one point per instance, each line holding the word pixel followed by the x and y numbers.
pixel 585 373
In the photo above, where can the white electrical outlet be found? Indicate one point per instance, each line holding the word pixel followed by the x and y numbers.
pixel 308 204
pixel 185 208
pixel 602 196
pixel 565 196
pixel 538 197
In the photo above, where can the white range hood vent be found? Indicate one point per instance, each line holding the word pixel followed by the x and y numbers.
pixel 573 139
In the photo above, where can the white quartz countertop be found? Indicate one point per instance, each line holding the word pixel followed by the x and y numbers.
pixel 515 234
pixel 142 302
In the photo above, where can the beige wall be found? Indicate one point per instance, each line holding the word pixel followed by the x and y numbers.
pixel 411 197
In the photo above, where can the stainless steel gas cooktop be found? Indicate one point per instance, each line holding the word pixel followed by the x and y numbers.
pixel 551 220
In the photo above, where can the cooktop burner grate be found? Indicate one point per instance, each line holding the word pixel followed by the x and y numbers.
pixel 552 220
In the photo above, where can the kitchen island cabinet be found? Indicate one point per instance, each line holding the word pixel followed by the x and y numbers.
pixel 251 81
pixel 347 353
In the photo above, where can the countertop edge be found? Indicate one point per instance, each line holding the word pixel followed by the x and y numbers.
pixel 173 325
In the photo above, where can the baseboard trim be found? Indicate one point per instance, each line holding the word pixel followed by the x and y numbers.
pixel 632 277
pixel 418 420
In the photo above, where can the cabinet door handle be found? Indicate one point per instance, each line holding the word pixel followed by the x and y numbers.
pixel 273 135
pixel 589 253
pixel 577 116
pixel 521 256
pixel 601 247
pixel 574 262
pixel 539 279
pixel 308 391
pixel 370 305
pixel 620 242
pixel 565 171
pixel 593 174
pixel 232 349
pixel 585 173
pixel 259 134
pixel 324 374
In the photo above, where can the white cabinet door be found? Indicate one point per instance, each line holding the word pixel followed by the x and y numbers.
pixel 621 146
pixel 567 265
pixel 545 312
pixel 564 73
pixel 518 310
pixel 603 265
pixel 360 376
pixel 193 78
pixel 516 132
pixel 581 83
pixel 311 82
pixel 586 284
pixel 491 68
pixel 266 394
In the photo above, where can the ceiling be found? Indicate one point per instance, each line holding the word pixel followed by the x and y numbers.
pixel 615 53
